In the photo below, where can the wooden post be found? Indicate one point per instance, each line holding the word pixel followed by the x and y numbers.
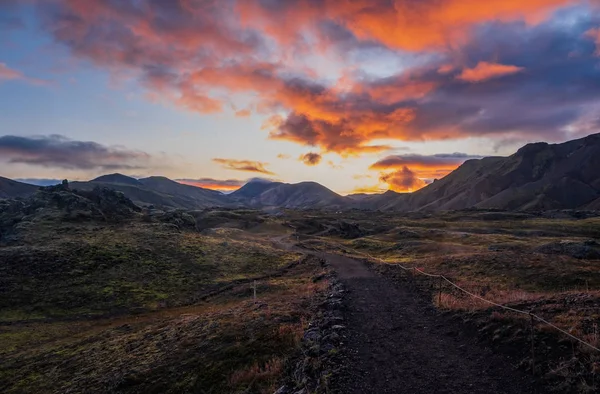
pixel 254 288
pixel 532 343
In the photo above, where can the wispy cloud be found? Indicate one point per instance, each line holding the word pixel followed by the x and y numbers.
pixel 486 70
pixel 244 165
pixel 7 73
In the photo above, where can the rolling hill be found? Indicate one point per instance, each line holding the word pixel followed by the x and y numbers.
pixel 12 189
pixel 157 191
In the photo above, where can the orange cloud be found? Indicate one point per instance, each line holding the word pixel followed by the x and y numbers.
pixel 413 171
pixel 401 24
pixel 594 34
pixel 484 71
pixel 310 159
pixel 214 184
pixel 202 54
pixel 283 156
pixel 244 165
pixel 243 113
pixel 403 180
pixel 331 164
pixel 368 190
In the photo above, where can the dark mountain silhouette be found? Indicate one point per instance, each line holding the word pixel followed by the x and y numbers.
pixel 157 191
pixel 12 189
pixel 117 178
pixel 538 176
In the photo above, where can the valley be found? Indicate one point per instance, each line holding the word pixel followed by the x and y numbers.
pixel 98 292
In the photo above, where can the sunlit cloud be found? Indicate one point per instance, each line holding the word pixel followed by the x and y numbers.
pixel 412 171
pixel 465 65
pixel 226 185
pixel 485 70
pixel 310 159
pixel 368 190
pixel 403 180
pixel 244 165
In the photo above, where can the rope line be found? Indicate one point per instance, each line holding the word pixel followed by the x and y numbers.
pixel 538 318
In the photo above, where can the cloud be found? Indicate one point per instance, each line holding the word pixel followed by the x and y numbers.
pixel 243 113
pixel 214 184
pixel 403 180
pixel 368 190
pixel 402 24
pixel 202 55
pixel 7 73
pixel 332 164
pixel 60 152
pixel 485 70
pixel 413 171
pixel 244 165
pixel 594 34
pixel 310 159
pixel 440 160
pixel 283 156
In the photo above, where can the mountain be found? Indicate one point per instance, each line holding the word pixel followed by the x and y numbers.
pixel 253 189
pixel 12 189
pixel 158 191
pixel 390 200
pixel 117 178
pixel 538 176
pixel 304 195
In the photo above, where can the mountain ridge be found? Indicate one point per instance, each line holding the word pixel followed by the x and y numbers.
pixel 539 176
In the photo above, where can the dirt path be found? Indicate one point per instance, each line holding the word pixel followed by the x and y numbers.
pixel 399 344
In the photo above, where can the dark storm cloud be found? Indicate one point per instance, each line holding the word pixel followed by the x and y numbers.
pixel 61 152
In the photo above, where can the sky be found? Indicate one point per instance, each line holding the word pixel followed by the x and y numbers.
pixel 358 95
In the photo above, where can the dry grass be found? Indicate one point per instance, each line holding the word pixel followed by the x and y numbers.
pixel 265 374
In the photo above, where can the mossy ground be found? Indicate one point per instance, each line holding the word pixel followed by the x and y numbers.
pixel 143 306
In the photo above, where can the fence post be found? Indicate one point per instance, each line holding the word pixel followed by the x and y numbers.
pixel 254 288
pixel 532 343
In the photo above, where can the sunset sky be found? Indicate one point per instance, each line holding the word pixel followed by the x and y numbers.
pixel 358 95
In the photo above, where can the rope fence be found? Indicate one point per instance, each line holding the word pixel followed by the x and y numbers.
pixel 508 308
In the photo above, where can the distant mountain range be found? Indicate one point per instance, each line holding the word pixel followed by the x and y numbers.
pixel 539 176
